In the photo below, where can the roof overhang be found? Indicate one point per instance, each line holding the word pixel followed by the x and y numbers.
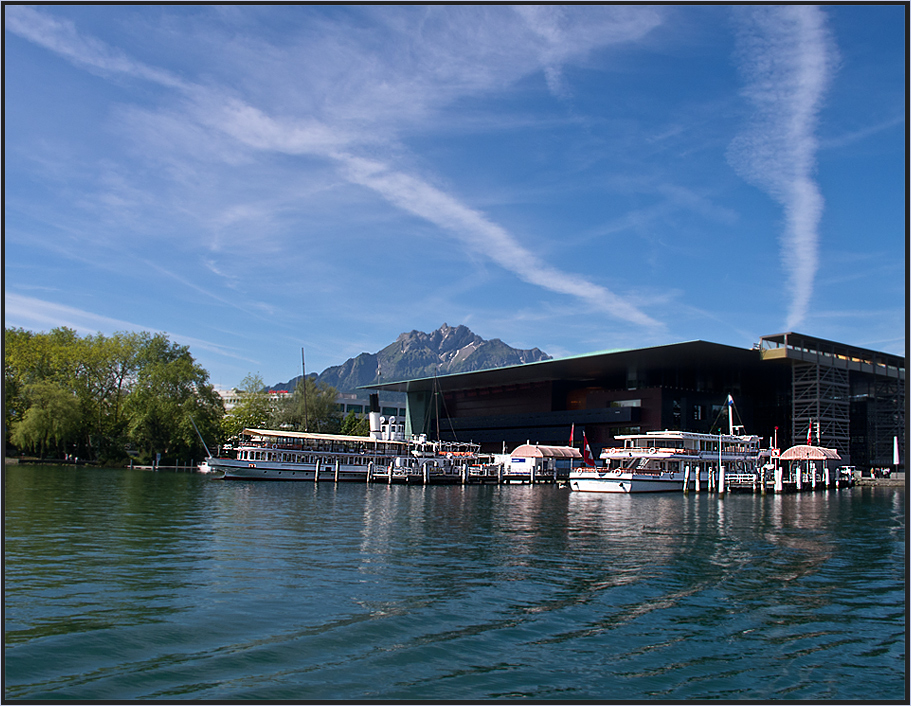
pixel 580 368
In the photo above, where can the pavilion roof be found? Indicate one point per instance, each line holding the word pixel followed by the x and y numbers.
pixel 810 453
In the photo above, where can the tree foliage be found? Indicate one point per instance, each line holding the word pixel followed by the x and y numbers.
pixel 252 412
pixel 95 396
pixel 51 420
pixel 312 407
pixel 354 426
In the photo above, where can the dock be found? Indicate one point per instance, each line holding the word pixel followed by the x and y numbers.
pixel 492 474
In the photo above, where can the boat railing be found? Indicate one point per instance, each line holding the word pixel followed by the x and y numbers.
pixel 741 478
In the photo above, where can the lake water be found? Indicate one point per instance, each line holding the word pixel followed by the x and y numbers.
pixel 128 584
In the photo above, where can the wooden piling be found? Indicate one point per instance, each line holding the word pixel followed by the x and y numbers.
pixel 338 464
pixel 686 478
pixel 316 471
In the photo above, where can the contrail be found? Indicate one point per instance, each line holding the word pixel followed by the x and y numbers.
pixel 312 136
pixel 786 57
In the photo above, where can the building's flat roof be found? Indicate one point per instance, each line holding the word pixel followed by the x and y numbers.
pixel 591 366
pixel 588 366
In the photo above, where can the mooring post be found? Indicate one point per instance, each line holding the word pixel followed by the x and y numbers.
pixel 698 479
pixel 338 464
pixel 686 478
pixel 799 477
pixel 389 478
pixel 779 480
pixel 721 487
pixel 426 473
pixel 316 470
pixel 369 472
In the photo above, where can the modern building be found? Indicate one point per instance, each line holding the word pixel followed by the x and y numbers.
pixel 853 399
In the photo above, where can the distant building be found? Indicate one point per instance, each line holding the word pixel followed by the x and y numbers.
pixel 852 398
pixel 358 403
pixel 231 397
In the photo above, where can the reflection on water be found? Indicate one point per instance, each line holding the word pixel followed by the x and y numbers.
pixel 137 585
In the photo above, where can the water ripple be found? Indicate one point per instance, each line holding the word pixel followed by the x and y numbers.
pixel 126 585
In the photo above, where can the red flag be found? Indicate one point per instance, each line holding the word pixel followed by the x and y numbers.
pixel 810 434
pixel 587 458
pixel 571 432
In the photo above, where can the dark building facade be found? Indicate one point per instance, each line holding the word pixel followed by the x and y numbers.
pixel 788 381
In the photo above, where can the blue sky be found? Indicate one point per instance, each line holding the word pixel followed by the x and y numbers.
pixel 252 180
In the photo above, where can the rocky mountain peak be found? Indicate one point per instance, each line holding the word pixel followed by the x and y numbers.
pixel 418 354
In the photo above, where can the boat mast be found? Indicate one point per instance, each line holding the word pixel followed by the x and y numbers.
pixel 304 388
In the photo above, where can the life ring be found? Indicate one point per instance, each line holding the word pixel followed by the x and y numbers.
pixel 651 450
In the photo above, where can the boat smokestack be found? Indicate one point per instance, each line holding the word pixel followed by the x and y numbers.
pixel 376 423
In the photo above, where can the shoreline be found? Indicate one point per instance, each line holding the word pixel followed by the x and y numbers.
pixel 897 481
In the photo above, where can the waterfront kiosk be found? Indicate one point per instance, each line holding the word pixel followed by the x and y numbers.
pixel 532 463
pixel 810 466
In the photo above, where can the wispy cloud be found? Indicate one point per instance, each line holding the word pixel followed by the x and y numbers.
pixel 38 314
pixel 355 113
pixel 62 37
pixel 482 235
pixel 787 58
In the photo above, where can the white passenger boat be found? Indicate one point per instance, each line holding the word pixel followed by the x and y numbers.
pixel 274 454
pixel 664 460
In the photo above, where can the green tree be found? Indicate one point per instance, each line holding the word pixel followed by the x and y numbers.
pixel 312 407
pixel 31 359
pixel 352 426
pixel 252 412
pixel 51 421
pixel 15 366
pixel 108 371
pixel 171 393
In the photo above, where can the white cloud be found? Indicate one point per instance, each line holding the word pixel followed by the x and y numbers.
pixel 62 37
pixel 448 53
pixel 787 57
pixel 484 236
pixel 41 315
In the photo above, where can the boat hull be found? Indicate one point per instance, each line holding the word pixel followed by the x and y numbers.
pixel 595 482
pixel 248 470
pixel 624 483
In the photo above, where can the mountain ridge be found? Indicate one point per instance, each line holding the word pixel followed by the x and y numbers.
pixel 417 354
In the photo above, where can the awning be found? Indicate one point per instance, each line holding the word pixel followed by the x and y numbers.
pixel 810 453
pixel 535 451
